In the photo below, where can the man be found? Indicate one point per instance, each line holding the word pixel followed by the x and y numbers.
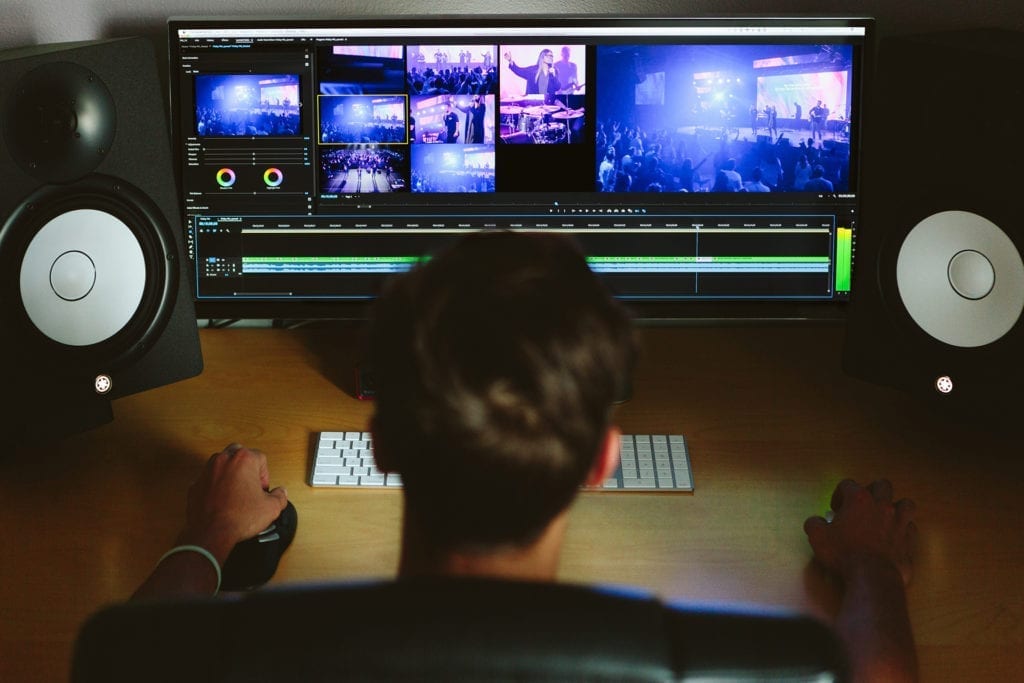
pixel 818 182
pixel 606 170
pixel 451 124
pixel 567 71
pixel 728 179
pixel 819 119
pixel 755 184
pixel 772 114
pixel 503 356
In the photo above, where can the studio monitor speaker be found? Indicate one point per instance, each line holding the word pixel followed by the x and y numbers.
pixel 95 302
pixel 939 283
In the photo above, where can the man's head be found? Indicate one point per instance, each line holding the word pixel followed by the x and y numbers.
pixel 496 363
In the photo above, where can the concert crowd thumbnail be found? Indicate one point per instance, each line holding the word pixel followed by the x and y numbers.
pixel 366 169
pixel 237 105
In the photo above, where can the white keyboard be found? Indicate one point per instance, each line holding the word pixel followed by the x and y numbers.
pixel 658 462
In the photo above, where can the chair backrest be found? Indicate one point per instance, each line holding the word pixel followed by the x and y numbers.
pixel 475 630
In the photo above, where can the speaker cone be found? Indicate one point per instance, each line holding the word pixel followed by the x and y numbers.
pixel 961 279
pixel 86 281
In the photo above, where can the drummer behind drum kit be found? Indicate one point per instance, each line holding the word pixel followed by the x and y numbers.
pixel 529 120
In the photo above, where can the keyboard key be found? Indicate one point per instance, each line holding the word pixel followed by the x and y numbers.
pixel 333 469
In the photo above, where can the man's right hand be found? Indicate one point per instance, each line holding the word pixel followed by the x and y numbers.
pixel 869 543
pixel 231 501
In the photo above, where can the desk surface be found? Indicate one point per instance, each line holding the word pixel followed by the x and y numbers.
pixel 772 425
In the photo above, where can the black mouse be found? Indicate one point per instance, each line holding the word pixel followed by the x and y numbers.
pixel 252 562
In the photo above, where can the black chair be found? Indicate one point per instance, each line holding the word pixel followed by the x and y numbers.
pixel 449 630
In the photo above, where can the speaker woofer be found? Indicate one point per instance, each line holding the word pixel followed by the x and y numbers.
pixel 961 279
pixel 82 277
pixel 88 274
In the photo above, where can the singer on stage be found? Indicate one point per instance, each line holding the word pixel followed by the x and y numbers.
pixel 474 120
pixel 540 78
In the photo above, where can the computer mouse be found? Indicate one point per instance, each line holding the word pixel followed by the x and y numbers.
pixel 252 562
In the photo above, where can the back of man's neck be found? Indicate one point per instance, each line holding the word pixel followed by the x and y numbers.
pixel 537 561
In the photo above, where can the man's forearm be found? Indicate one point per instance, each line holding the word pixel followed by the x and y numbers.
pixel 874 624
pixel 181 575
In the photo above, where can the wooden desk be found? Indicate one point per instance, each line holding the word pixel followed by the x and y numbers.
pixel 772 424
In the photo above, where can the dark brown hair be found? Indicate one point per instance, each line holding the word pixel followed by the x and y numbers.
pixel 496 366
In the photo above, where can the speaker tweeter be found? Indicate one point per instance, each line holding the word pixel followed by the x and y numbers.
pixel 60 122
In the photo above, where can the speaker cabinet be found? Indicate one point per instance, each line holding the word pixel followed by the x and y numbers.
pixel 95 301
pixel 939 283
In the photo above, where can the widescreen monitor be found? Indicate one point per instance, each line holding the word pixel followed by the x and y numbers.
pixel 709 168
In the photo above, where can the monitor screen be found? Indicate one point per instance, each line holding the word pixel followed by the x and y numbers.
pixel 709 168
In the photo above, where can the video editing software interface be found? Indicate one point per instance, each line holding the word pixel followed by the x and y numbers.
pixel 693 160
